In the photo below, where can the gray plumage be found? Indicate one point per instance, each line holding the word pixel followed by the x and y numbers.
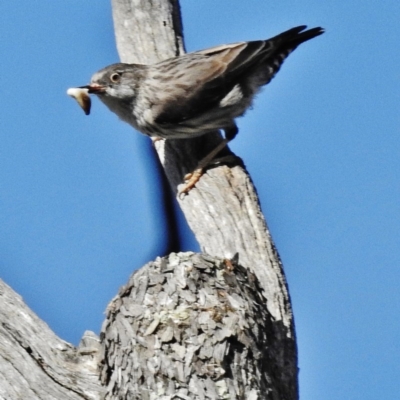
pixel 198 92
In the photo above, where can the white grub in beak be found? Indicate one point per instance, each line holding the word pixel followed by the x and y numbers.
pixel 82 97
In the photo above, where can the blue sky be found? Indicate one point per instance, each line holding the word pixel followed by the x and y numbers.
pixel 79 200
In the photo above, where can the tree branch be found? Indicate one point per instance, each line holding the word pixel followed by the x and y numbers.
pixel 36 364
pixel 223 209
pixel 194 327
pixel 187 326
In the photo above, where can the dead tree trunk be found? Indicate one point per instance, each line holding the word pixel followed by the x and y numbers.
pixel 188 326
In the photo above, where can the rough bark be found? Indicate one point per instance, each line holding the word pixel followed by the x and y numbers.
pixel 191 326
pixel 36 364
pixel 187 326
pixel 223 210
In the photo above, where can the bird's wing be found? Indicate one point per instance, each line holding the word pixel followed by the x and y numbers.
pixel 198 82
pixel 193 83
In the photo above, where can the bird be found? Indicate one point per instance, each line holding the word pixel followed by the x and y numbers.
pixel 195 93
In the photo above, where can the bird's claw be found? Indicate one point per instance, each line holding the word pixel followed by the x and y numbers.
pixel 190 180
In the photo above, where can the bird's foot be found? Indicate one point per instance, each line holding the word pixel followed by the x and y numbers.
pixel 190 180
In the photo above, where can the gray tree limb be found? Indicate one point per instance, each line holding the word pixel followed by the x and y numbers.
pixel 184 327
pixel 191 326
pixel 223 210
pixel 36 364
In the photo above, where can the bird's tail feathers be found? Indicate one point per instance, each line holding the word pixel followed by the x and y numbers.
pixel 279 47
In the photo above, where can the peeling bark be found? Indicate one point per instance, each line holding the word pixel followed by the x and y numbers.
pixel 223 209
pixel 187 326
pixel 36 364
pixel 191 326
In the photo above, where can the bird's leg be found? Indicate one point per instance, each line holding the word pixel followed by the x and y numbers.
pixel 193 177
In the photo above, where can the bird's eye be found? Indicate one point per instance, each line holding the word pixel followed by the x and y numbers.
pixel 114 78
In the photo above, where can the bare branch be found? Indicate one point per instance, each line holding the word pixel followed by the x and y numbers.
pixel 190 326
pixel 194 327
pixel 223 210
pixel 36 364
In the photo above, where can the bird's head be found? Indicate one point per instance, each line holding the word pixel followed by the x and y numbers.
pixel 118 81
pixel 116 86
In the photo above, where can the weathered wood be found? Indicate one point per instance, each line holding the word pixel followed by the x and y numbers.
pixel 223 209
pixel 36 364
pixel 194 327
pixel 188 326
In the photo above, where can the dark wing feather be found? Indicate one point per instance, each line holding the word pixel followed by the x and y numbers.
pixel 204 78
pixel 198 81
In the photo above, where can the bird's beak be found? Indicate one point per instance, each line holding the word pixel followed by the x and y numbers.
pixel 94 88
